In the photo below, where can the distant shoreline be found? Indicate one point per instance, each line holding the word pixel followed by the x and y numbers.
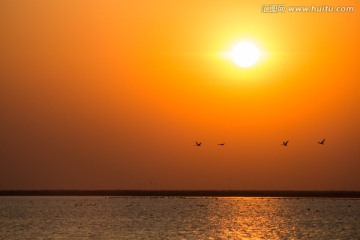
pixel 184 193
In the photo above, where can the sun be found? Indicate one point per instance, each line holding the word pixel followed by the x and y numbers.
pixel 245 54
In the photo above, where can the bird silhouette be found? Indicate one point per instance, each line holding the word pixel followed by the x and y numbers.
pixel 221 144
pixel 322 142
pixel 285 143
pixel 198 144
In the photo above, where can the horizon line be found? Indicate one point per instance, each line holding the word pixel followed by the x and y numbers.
pixel 186 193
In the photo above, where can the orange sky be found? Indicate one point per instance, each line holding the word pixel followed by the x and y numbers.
pixel 113 95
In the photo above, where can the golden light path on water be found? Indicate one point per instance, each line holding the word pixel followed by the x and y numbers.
pixel 179 218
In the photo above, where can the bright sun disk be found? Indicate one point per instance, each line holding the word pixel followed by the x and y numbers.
pixel 245 54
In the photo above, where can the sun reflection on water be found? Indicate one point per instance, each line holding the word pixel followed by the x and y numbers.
pixel 179 218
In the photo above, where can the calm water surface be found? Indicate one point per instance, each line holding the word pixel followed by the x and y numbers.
pixel 178 218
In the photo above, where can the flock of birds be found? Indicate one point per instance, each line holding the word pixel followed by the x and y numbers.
pixel 284 143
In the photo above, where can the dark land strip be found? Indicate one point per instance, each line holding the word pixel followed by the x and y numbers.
pixel 183 193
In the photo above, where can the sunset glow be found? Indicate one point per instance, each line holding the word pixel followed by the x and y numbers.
pixel 115 94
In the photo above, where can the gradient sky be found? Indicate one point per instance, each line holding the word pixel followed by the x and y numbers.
pixel 113 95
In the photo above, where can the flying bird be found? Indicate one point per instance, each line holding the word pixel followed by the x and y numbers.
pixel 285 143
pixel 198 144
pixel 221 144
pixel 322 142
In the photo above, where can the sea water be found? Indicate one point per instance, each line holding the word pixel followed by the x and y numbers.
pixel 178 218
